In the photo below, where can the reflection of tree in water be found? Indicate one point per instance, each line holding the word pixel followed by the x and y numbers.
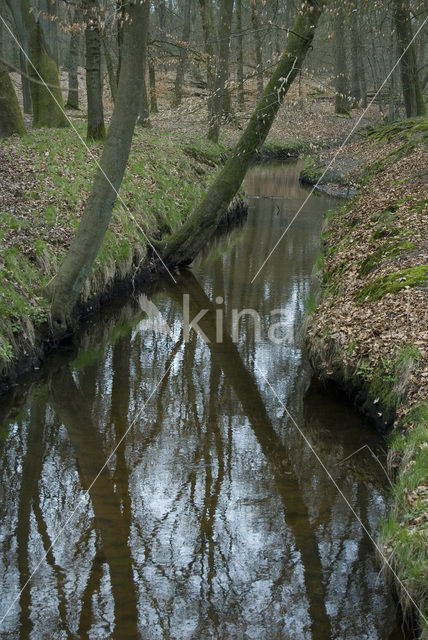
pixel 211 519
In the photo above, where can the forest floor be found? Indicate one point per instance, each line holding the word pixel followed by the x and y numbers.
pixel 369 330
pixel 46 176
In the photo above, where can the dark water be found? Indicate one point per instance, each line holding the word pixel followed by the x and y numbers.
pixel 213 518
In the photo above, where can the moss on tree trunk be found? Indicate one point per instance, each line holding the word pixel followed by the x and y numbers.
pixel 67 285
pixel 94 87
pixel 11 119
pixel 45 88
pixel 47 100
pixel 412 92
pixel 185 244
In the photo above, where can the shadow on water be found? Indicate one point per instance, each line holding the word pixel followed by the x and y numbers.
pixel 212 518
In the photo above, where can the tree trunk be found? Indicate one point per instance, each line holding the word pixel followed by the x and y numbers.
pixel 11 119
pixel 179 78
pixel 341 102
pixel 47 101
pixel 255 21
pixel 355 64
pixel 47 110
pixel 25 83
pixel 226 10
pixel 144 112
pixel 152 82
pixel 73 62
pixel 120 17
pixel 110 70
pixel 412 93
pixel 94 86
pixel 67 285
pixel 207 19
pixel 184 245
pixel 240 54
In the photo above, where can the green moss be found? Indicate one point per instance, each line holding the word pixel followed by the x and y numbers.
pixel 394 282
pixel 387 251
pixel 312 171
pixel 160 188
pixel 403 533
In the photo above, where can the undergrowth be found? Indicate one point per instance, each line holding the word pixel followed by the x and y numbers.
pixel 166 176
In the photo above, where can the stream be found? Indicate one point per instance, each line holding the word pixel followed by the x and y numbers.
pixel 163 483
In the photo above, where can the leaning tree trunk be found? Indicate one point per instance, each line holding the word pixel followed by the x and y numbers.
pixel 73 61
pixel 11 119
pixel 412 92
pixel 182 60
pixel 184 245
pixel 226 10
pixel 67 285
pixel 46 94
pixel 94 85
pixel 341 102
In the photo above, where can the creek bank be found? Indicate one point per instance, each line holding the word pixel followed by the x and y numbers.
pixel 368 328
pixel 46 177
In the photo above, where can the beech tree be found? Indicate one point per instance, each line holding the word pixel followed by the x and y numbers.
pixel 412 92
pixel 178 86
pixel 67 285
pixel 226 10
pixel 94 86
pixel 45 90
pixel 184 245
pixel 11 119
pixel 73 61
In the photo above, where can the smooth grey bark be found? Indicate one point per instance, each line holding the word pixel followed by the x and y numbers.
pixel 185 244
pixel 226 11
pixel 355 91
pixel 94 85
pixel 120 18
pixel 207 18
pixel 67 285
pixel 341 101
pixel 47 102
pixel 112 79
pixel 182 60
pixel 256 23
pixel 412 92
pixel 144 110
pixel 11 119
pixel 25 83
pixel 73 61
pixel 152 84
pixel 240 53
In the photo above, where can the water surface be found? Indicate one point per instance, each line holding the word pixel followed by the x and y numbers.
pixel 212 518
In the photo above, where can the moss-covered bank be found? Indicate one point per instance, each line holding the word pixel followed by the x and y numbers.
pixel 369 331
pixel 46 177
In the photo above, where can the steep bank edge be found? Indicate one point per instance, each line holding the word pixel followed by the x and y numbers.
pixel 46 178
pixel 369 330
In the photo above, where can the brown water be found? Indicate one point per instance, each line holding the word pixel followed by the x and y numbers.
pixel 213 518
